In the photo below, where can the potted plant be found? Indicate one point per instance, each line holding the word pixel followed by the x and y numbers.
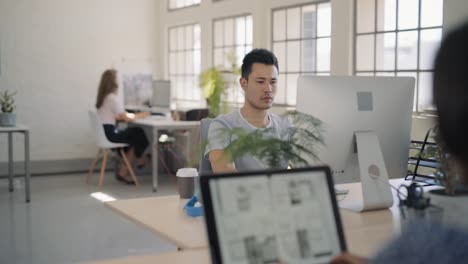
pixel 300 150
pixel 7 105
pixel 214 88
pixel 215 82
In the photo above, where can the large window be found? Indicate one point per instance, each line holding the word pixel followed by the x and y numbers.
pixel 301 41
pixel 176 4
pixel 184 62
pixel 232 39
pixel 399 38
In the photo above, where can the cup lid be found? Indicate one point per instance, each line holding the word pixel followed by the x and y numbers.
pixel 187 172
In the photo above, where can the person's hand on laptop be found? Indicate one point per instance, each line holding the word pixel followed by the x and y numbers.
pixel 347 258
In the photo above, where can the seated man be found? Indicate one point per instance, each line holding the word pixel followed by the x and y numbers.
pixel 259 79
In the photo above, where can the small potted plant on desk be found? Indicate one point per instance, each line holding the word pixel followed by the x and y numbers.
pixel 7 105
pixel 453 198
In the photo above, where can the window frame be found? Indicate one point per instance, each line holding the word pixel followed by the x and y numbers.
pixel 234 46
pixel 169 9
pixel 396 31
pixel 194 75
pixel 300 39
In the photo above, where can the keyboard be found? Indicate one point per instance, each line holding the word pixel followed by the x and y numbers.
pixel 341 191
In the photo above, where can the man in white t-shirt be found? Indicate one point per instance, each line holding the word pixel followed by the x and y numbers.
pixel 259 82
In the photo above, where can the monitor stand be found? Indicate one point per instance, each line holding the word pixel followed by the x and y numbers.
pixel 376 192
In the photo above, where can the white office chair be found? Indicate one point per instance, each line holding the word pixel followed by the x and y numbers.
pixel 104 147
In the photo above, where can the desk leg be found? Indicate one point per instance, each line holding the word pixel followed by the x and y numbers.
pixel 11 172
pixel 154 157
pixel 27 173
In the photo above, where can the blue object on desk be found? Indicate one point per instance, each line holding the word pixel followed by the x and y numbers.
pixel 191 209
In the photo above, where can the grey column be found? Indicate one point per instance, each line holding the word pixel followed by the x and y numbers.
pixel 155 152
pixel 27 175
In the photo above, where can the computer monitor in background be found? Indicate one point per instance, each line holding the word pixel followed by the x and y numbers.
pixel 368 124
pixel 137 89
pixel 161 94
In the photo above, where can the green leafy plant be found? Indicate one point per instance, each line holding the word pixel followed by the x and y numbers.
pixel 214 88
pixel 214 85
pixel 7 101
pixel 299 150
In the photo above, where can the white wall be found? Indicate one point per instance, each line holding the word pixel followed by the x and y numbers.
pixel 53 52
pixel 455 12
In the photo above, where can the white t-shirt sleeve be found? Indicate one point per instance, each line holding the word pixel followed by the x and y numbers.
pixel 218 137
pixel 115 106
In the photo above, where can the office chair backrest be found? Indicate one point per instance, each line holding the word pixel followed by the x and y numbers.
pixel 205 164
pixel 98 130
pixel 196 114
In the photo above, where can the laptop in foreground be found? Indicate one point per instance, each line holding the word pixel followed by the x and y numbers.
pixel 277 216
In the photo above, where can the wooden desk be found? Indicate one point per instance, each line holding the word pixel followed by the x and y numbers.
pixel 166 218
pixel 182 257
pixel 365 232
pixel 163 124
pixel 27 175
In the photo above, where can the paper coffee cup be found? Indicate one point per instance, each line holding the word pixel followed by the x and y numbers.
pixel 186 182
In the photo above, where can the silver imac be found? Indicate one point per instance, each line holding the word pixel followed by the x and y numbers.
pixel 368 124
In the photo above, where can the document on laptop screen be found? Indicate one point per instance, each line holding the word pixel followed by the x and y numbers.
pixel 283 217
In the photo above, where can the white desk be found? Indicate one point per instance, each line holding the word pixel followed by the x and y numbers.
pixel 142 108
pixel 365 232
pixel 27 176
pixel 166 218
pixel 163 124
pixel 182 257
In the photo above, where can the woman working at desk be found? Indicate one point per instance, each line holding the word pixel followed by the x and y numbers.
pixel 435 243
pixel 110 110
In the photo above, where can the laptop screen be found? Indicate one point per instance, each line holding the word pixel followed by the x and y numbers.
pixel 287 216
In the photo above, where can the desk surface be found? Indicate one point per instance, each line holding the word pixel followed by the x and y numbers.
pixel 17 128
pixel 365 232
pixel 166 123
pixel 145 108
pixel 165 217
pixel 182 257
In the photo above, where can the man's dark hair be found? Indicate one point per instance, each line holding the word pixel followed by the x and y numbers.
pixel 262 56
pixel 450 90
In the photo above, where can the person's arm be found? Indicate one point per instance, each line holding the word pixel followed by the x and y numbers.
pixel 129 117
pixel 217 140
pixel 220 162
pixel 119 111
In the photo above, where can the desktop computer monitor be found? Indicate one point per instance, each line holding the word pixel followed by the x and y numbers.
pixel 367 129
pixel 161 94
pixel 137 89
